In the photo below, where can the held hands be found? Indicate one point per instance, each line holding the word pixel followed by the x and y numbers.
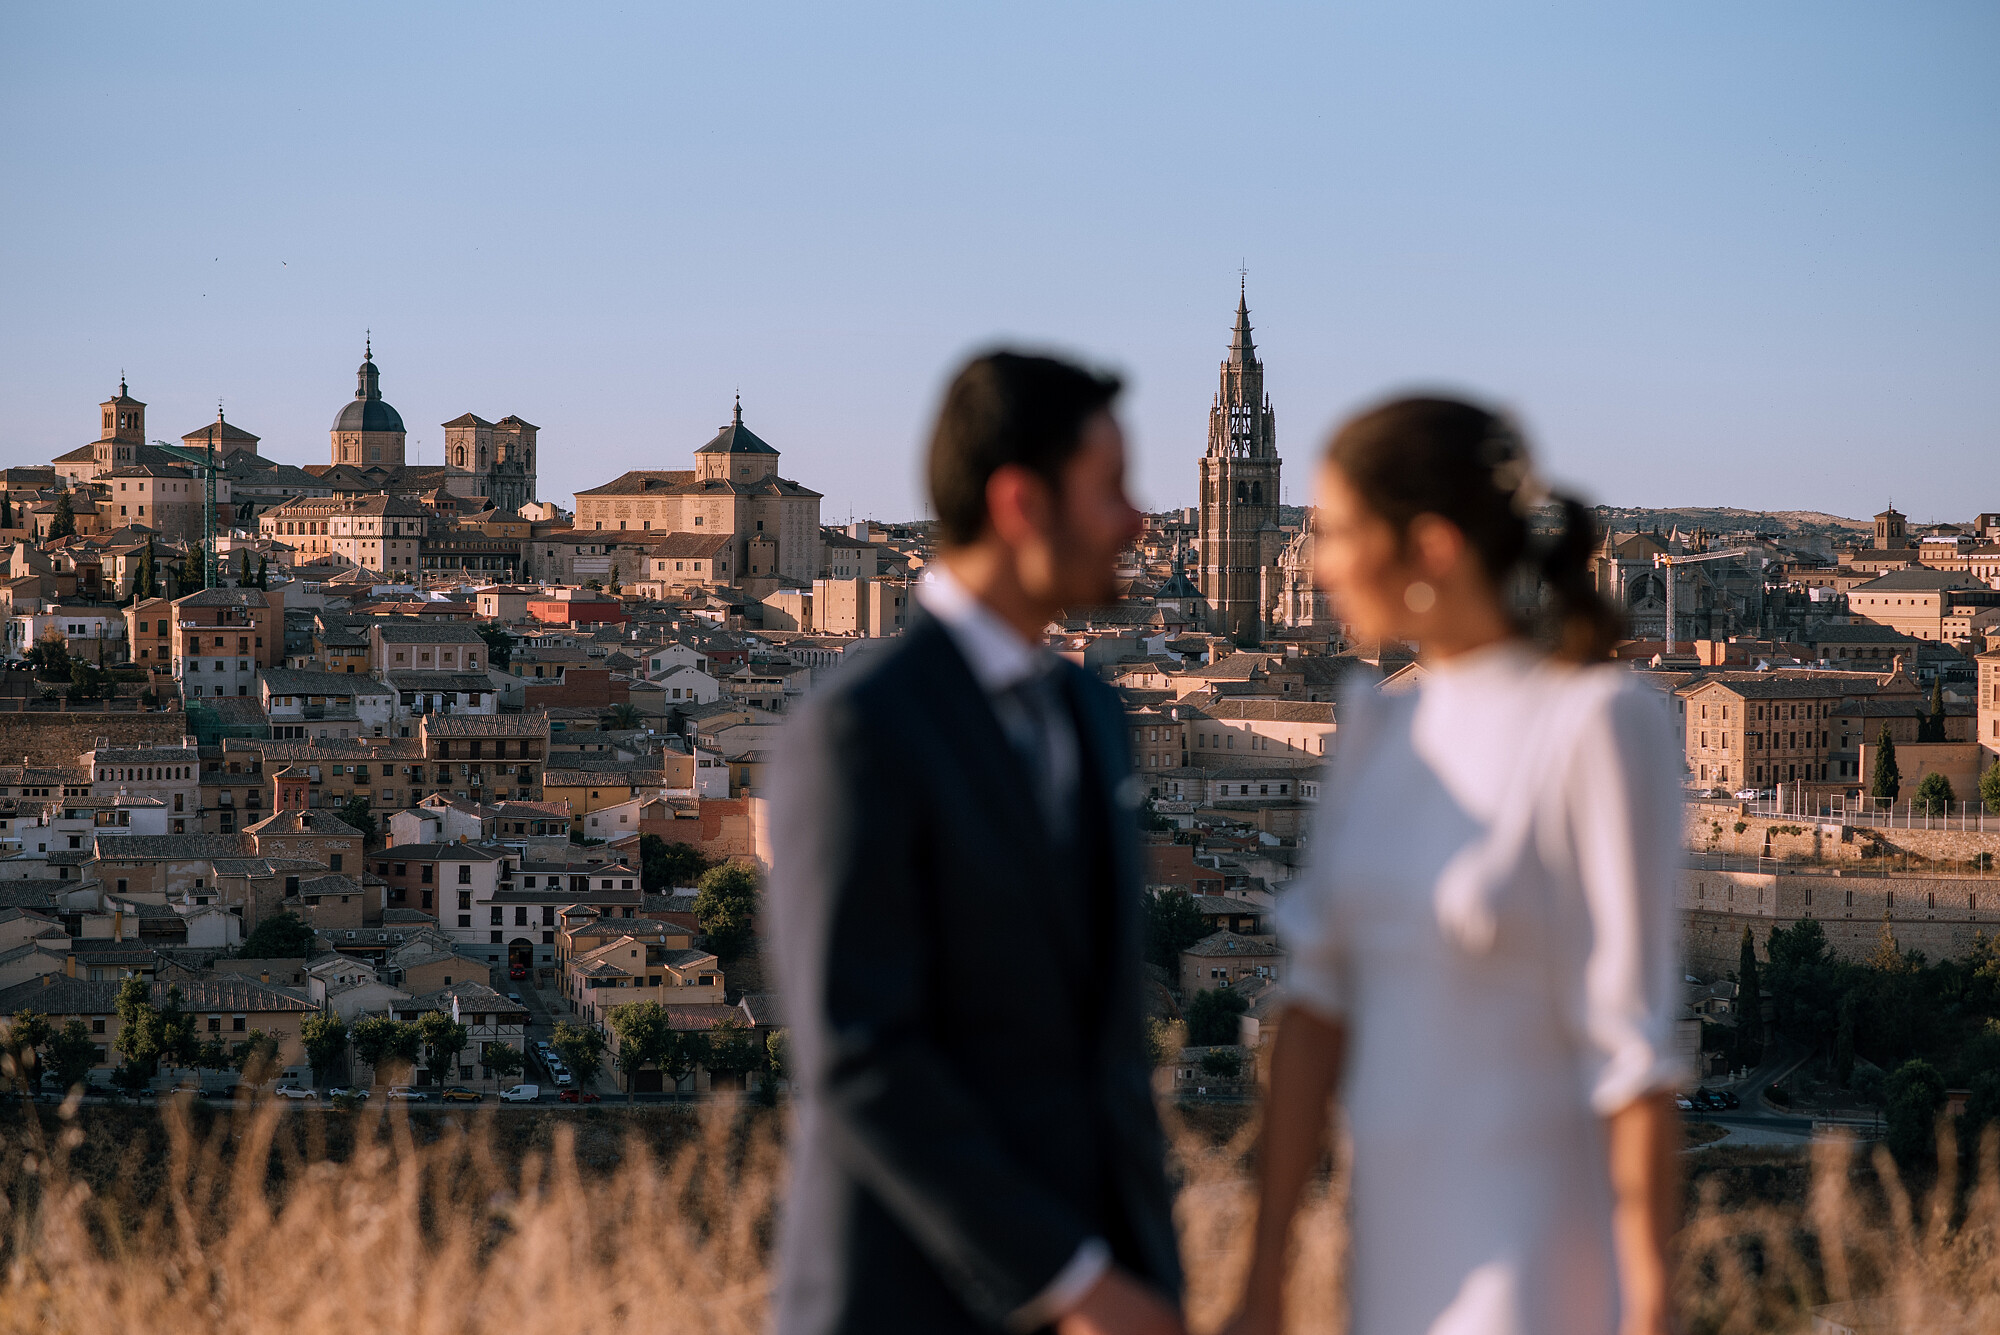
pixel 1118 1304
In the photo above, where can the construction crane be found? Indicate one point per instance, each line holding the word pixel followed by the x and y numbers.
pixel 1669 561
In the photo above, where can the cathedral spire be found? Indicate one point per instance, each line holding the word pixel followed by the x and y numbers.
pixel 1241 349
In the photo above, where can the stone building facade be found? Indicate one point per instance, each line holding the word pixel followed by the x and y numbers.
pixel 1240 535
pixel 492 461
pixel 734 489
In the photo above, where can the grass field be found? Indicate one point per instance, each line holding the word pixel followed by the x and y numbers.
pixel 609 1222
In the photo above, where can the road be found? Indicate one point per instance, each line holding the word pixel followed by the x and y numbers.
pixel 1756 1122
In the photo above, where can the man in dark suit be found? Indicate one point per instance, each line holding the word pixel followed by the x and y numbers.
pixel 955 905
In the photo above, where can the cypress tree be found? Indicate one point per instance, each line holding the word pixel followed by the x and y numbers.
pixel 146 578
pixel 1934 724
pixel 263 572
pixel 1886 780
pixel 1749 1005
pixel 243 570
pixel 64 524
pixel 6 511
pixel 191 572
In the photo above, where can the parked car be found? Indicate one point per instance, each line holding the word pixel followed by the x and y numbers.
pixel 578 1096
pixel 1747 794
pixel 1684 1103
pixel 514 997
pixel 460 1094
pixel 1727 1099
pixel 521 1094
pixel 517 973
pixel 348 1092
pixel 405 1094
pixel 299 1092
pixel 563 1080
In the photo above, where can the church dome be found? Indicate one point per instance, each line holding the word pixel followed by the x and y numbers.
pixel 367 411
pixel 368 415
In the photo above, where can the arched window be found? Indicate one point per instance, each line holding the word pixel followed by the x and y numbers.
pixel 461 456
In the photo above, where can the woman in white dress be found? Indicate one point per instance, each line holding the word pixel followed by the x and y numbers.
pixel 1483 959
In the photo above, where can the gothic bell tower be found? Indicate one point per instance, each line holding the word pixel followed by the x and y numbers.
pixel 1239 490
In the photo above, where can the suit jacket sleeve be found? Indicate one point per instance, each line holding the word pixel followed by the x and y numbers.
pixel 855 928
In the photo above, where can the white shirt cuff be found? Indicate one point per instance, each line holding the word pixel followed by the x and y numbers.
pixel 1066 1290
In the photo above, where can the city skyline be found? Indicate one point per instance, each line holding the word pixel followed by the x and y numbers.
pixel 1720 259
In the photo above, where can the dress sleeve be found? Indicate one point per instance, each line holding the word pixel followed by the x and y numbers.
pixel 1305 927
pixel 1624 804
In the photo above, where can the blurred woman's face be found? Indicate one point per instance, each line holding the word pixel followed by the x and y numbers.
pixel 1359 561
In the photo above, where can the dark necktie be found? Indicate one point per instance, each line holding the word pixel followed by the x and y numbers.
pixel 1038 723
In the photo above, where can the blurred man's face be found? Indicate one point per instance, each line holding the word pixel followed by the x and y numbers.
pixel 1090 521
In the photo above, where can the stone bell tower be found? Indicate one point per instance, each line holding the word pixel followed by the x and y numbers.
pixel 1239 491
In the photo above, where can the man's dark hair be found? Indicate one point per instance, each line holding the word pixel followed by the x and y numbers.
pixel 1007 408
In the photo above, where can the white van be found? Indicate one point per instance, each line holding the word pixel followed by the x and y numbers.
pixel 521 1094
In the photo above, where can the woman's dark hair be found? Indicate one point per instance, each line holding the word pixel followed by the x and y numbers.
pixel 1470 466
pixel 1007 408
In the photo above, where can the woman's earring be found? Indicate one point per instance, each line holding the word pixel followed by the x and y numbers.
pixel 1420 597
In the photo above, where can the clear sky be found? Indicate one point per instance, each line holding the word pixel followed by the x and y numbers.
pixel 1711 252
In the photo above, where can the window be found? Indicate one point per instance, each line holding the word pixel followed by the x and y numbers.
pixel 464 874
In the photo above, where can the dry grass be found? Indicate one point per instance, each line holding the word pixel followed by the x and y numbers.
pixel 430 1226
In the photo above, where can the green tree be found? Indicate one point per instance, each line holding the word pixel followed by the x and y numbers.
pixel 6 511
pixel 1930 723
pixel 624 718
pixel 734 1048
pixel 25 1037
pixel 1222 1063
pixel 49 656
pixel 357 811
pixel 1934 796
pixel 645 1034
pixel 688 1050
pixel 499 646
pixel 580 1047
pixel 191 575
pixel 664 866
pixel 1989 788
pixel 1843 1043
pixel 149 1035
pixel 443 1039
pixel 778 1053
pixel 146 579
pixel 243 568
pixel 256 1057
pixel 63 525
pixel 388 1046
pixel 324 1035
pixel 1172 924
pixel 1749 1005
pixel 72 1055
pixel 283 935
pixel 614 579
pixel 726 907
pixel 1912 1100
pixel 502 1060
pixel 1886 781
pixel 263 572
pixel 1214 1017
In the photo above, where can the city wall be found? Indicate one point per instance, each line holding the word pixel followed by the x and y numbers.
pixel 1711 828
pixel 1942 916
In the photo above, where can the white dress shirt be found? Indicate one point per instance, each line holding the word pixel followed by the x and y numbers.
pixel 1002 660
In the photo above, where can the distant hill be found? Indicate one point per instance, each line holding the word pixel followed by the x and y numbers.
pixel 1726 520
